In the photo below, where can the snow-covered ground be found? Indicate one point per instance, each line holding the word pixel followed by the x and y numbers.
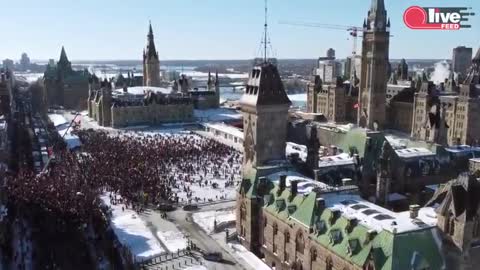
pixel 206 219
pixel 196 267
pixel 250 258
pixel 173 240
pixel 132 232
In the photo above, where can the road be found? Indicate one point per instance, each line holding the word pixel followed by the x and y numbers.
pixel 200 238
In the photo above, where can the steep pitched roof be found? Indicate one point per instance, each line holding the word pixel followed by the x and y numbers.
pixel 460 196
pixel 265 87
pixel 150 50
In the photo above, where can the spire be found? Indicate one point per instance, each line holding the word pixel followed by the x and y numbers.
pixel 63 56
pixel 209 78
pixel 377 5
pixel 217 82
pixel 265 37
pixel 377 16
pixel 150 30
pixel 150 50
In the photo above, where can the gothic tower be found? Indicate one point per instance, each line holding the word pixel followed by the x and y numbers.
pixel 383 175
pixel 375 60
pixel 151 63
pixel 217 90
pixel 265 107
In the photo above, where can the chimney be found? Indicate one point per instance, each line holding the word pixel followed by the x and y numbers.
pixel 320 204
pixel 414 211
pixel 294 188
pixel 262 185
pixel 283 182
pixel 334 150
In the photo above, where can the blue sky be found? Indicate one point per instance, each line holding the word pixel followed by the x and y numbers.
pixel 210 29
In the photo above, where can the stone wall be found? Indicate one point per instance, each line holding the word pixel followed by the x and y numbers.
pixel 151 115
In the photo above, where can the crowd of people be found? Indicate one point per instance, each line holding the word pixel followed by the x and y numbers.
pixel 143 169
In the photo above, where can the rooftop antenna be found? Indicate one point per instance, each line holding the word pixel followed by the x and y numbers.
pixel 265 38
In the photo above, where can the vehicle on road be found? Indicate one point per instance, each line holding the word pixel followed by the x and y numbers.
pixel 213 256
pixel 166 207
pixel 190 207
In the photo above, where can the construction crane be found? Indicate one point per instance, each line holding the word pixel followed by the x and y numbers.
pixel 352 30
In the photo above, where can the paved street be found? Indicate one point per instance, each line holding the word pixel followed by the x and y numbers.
pixel 193 232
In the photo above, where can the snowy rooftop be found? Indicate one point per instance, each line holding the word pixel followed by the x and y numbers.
pixel 475 159
pixel 57 119
pixel 338 160
pixel 378 218
pixel 141 90
pixel 462 149
pixel 414 152
pixel 305 185
pixel 61 124
pixel 293 148
pixel 341 127
pixel 226 129
pixel 217 115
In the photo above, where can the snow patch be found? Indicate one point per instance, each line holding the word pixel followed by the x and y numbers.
pixel 207 219
pixel 132 232
pixel 174 241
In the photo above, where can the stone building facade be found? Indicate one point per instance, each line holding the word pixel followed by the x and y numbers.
pixel 449 118
pixel 7 83
pixel 140 106
pixel 64 86
pixel 335 101
pixel 151 62
pixel 458 217
pixel 208 98
pixel 375 61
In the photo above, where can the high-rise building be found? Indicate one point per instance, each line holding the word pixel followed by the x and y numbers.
pixel 8 64
pixel 348 68
pixel 24 62
pixel 461 60
pixel 328 68
pixel 375 59
pixel 151 62
pixel 331 53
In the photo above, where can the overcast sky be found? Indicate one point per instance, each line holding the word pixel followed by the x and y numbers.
pixel 210 29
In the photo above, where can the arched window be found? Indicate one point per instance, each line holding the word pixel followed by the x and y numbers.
pixel 452 226
pixel 287 237
pixel 313 255
pixel 329 264
pixel 299 243
pixel 275 229
pixel 476 227
pixel 243 212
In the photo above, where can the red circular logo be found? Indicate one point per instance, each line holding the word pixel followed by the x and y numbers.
pixel 415 17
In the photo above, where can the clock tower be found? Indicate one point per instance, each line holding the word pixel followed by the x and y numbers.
pixel 375 60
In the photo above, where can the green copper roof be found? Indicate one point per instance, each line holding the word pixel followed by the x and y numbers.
pixel 350 240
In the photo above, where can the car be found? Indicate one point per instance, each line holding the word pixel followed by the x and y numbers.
pixel 190 207
pixel 165 207
pixel 213 256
